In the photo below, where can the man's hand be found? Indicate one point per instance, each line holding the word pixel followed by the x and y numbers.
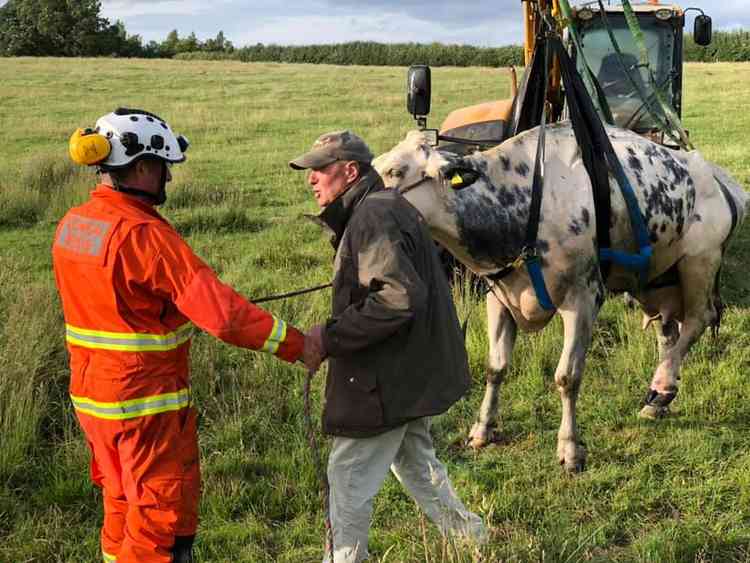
pixel 314 351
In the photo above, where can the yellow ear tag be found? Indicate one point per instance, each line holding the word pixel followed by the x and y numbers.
pixel 88 148
pixel 457 181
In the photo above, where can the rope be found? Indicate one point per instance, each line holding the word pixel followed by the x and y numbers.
pixel 313 443
pixel 291 293
pixel 315 452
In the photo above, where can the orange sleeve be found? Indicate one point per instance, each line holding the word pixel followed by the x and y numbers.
pixel 176 273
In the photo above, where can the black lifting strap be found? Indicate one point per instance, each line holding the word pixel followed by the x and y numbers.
pixel 532 227
pixel 528 104
pixel 586 122
pixel 527 112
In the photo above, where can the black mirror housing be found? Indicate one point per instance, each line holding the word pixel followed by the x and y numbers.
pixel 702 34
pixel 418 90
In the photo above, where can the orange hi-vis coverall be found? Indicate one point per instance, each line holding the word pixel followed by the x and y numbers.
pixel 130 288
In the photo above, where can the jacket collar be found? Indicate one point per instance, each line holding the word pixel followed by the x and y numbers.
pixel 105 193
pixel 336 216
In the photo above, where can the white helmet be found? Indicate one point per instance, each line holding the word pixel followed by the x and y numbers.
pixel 134 133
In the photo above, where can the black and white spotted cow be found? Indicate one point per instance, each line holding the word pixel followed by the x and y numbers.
pixel 690 206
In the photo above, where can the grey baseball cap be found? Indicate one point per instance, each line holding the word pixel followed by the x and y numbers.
pixel 330 147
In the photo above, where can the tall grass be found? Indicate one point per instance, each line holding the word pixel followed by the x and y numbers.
pixel 44 188
pixel 33 370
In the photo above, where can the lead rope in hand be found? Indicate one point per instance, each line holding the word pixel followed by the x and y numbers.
pixel 322 477
pixel 291 293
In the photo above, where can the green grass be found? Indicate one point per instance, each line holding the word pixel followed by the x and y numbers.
pixel 669 491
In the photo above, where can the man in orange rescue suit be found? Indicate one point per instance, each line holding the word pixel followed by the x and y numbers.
pixel 131 290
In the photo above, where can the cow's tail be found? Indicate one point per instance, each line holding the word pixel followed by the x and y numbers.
pixel 737 198
pixel 718 306
pixel 738 201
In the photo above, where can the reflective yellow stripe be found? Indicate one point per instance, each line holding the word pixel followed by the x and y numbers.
pixel 133 408
pixel 277 336
pixel 127 341
pixel 109 558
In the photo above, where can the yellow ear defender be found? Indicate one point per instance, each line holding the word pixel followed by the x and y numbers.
pixel 88 147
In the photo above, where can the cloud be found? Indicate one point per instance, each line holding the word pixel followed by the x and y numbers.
pixel 296 22
pixel 122 9
pixel 386 27
pixel 447 12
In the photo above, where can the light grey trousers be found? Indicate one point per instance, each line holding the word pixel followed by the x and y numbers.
pixel 357 468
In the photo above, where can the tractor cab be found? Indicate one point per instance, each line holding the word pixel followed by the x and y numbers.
pixel 632 94
pixel 628 85
pixel 622 76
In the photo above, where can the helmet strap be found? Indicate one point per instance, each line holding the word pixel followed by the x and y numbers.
pixel 161 195
pixel 154 199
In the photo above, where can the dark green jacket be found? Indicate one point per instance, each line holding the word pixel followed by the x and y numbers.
pixel 396 351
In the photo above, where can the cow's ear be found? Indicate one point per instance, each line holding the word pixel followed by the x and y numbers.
pixel 460 178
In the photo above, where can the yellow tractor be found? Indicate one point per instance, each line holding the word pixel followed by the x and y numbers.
pixel 629 58
pixel 612 61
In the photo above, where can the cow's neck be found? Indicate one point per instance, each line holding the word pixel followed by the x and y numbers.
pixel 492 216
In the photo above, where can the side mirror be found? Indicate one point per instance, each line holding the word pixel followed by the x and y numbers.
pixel 418 90
pixel 702 30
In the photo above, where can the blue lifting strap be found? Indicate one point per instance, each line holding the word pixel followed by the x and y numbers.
pixel 589 133
pixel 640 261
pixel 534 268
pixel 575 92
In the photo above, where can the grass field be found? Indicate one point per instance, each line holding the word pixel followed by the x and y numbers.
pixel 676 490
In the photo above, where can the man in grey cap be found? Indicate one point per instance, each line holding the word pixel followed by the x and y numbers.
pixel 395 348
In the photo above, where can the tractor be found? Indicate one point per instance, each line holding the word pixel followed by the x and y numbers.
pixel 635 85
pixel 625 81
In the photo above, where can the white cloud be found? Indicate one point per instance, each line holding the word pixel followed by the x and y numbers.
pixel 389 27
pixel 123 9
pixel 296 22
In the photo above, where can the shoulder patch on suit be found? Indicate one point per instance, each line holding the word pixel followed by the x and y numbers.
pixel 84 238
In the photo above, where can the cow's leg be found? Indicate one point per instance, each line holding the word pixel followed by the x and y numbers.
pixel 578 319
pixel 667 334
pixel 501 331
pixel 697 278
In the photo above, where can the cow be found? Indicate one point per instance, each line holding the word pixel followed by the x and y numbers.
pixel 690 206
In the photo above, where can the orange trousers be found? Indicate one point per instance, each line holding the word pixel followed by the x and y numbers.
pixel 149 472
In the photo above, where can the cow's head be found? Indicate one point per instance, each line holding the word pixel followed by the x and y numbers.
pixel 426 176
pixel 431 181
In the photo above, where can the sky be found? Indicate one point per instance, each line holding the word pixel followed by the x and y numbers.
pixel 304 22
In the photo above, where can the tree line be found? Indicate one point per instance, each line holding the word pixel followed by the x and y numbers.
pixel 75 28
pixel 727 46
pixel 374 54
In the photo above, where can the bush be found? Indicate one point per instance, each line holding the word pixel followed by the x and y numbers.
pixel 727 46
pixel 369 53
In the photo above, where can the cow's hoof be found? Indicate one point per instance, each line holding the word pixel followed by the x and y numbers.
pixel 653 412
pixel 575 460
pixel 481 436
pixel 656 404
